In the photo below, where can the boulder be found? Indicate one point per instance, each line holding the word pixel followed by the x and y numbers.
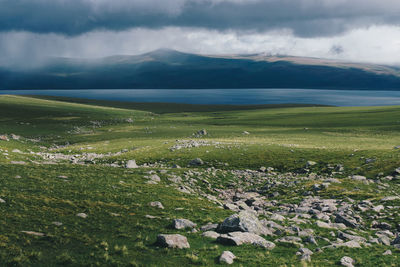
pixel 348 221
pixel 227 257
pixel 173 241
pixel 244 221
pixel 239 238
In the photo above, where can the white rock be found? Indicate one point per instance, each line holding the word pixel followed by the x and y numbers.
pixel 347 261
pixel 33 233
pixel 211 234
pixel 156 204
pixel 82 215
pixel 131 164
pixel 227 257
pixel 173 241
pixel 387 252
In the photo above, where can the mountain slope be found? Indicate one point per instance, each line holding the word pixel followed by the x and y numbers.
pixel 172 69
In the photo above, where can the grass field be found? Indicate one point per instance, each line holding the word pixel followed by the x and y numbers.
pixel 69 154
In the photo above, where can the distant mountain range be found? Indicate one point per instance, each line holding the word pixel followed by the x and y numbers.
pixel 172 69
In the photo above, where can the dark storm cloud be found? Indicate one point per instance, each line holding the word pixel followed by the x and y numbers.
pixel 304 17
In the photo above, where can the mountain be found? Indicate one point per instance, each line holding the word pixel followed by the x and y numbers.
pixel 172 69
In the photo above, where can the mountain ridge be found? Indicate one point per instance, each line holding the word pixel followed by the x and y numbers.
pixel 167 68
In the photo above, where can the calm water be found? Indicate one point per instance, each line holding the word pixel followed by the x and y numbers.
pixel 231 96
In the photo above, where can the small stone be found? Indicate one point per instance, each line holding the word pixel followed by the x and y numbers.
pixel 156 204
pixel 305 251
pixel 209 227
pixel 2 200
pixel 359 178
pixel 173 241
pixel 183 224
pixel 347 261
pixel 390 198
pixel 310 163
pixel 18 162
pixel 305 257
pixel 155 178
pixel 82 215
pixel 57 223
pixel 151 216
pixel 387 252
pixel 33 233
pixel 196 162
pixel 227 257
pixel 378 208
pixel 131 164
pixel 202 132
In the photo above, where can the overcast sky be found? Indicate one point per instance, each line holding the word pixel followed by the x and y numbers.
pixel 354 30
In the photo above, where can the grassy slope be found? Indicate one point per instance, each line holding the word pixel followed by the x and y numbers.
pixel 283 138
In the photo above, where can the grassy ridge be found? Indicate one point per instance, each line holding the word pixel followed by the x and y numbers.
pixel 117 232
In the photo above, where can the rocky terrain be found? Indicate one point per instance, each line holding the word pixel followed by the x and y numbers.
pixel 119 192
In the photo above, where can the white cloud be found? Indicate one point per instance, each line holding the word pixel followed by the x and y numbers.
pixel 374 44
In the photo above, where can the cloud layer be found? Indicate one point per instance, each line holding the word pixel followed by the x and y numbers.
pixel 302 17
pixel 355 30
pixel 375 44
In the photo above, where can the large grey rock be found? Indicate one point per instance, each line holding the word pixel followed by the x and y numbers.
pixel 347 261
pixel 227 257
pixel 244 221
pixel 345 236
pixel 348 221
pixel 131 164
pixel 183 224
pixel 239 238
pixel 173 241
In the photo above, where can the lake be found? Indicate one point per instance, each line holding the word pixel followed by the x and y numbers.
pixel 231 96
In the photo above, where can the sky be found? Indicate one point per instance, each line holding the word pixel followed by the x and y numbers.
pixel 350 30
